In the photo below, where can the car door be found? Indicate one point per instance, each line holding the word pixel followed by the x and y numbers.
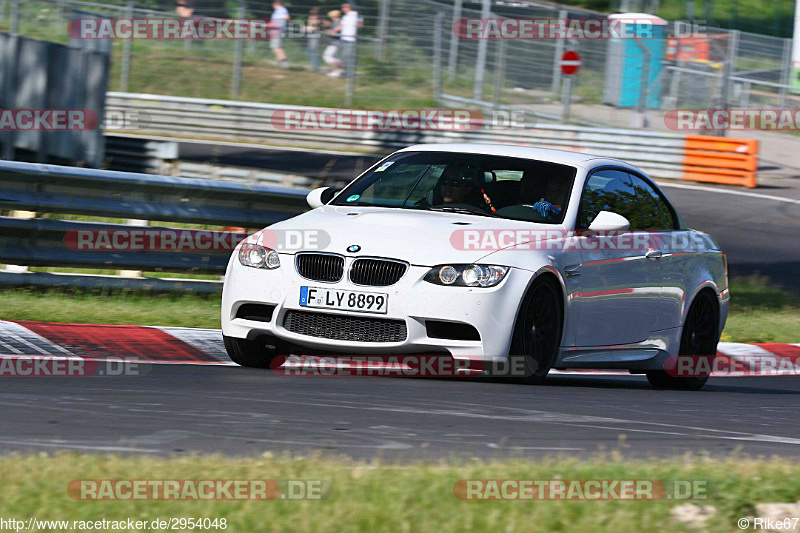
pixel 676 256
pixel 619 301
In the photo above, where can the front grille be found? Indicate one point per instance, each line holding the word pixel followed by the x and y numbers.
pixel 345 328
pixel 377 272
pixel 320 267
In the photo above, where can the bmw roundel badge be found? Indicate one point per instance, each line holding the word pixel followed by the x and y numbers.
pixel 353 248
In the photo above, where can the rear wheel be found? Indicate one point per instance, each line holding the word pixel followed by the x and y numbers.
pixel 537 335
pixel 250 353
pixel 699 337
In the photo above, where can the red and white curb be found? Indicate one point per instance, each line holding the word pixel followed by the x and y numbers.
pixel 170 345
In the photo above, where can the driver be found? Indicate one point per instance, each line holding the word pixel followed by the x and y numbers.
pixel 457 186
pixel 549 206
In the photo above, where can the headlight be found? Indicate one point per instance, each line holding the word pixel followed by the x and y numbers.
pixel 467 275
pixel 253 255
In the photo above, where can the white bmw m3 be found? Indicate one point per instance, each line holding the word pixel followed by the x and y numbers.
pixel 559 259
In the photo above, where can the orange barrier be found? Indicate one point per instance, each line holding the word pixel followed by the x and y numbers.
pixel 720 160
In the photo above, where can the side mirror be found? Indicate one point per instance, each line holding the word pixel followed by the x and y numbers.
pixel 320 197
pixel 608 221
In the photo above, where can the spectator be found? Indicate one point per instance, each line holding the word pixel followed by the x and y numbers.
pixel 314 33
pixel 331 53
pixel 348 29
pixel 279 23
pixel 184 9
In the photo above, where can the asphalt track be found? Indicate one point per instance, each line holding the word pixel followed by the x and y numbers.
pixel 176 409
pixel 183 409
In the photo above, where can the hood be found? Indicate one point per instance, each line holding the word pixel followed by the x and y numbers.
pixel 425 238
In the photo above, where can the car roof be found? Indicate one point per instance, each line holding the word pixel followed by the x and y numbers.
pixel 525 152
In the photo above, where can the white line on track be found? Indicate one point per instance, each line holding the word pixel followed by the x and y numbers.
pixel 727 191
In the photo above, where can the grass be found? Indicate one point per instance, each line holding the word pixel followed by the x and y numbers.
pixel 376 496
pixel 759 311
pixel 117 307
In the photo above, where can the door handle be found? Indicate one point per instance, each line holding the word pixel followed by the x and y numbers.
pixel 653 254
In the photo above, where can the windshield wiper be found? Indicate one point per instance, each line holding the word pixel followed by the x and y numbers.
pixel 462 210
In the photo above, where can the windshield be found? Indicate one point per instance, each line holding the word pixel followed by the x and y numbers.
pixel 493 186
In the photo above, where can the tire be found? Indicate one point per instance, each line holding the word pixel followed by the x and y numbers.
pixel 537 334
pixel 249 353
pixel 700 336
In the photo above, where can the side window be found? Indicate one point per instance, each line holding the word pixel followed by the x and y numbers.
pixel 652 212
pixel 606 190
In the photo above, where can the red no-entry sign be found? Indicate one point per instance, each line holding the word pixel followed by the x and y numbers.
pixel 570 63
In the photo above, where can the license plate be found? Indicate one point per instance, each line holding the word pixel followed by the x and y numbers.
pixel 361 302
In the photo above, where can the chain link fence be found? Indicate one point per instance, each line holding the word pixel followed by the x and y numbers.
pixel 408 56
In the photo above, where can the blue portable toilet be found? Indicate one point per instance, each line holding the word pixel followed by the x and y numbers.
pixel 625 60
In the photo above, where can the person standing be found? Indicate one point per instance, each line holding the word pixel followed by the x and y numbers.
pixel 331 53
pixel 279 23
pixel 314 34
pixel 348 29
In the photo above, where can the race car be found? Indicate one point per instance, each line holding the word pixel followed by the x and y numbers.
pixel 560 259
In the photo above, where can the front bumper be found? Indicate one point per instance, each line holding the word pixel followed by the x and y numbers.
pixel 492 311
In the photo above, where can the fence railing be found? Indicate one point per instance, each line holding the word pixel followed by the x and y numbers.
pixel 79 244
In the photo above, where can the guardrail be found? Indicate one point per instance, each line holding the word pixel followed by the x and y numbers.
pixel 55 189
pixel 662 155
pixel 138 154
pixel 56 243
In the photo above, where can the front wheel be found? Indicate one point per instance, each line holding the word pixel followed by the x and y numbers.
pixel 249 353
pixel 537 335
pixel 699 337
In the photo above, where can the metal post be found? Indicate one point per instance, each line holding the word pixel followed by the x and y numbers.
pixel 9 93
pixel 795 73
pixel 480 64
pixel 674 88
pixel 237 59
pixel 453 60
pixel 746 94
pixel 351 79
pixel 566 96
pixel 499 74
pixel 125 70
pixel 383 24
pixel 786 74
pixel 730 67
pixel 14 25
pixel 562 15
pixel 644 91
pixel 437 57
